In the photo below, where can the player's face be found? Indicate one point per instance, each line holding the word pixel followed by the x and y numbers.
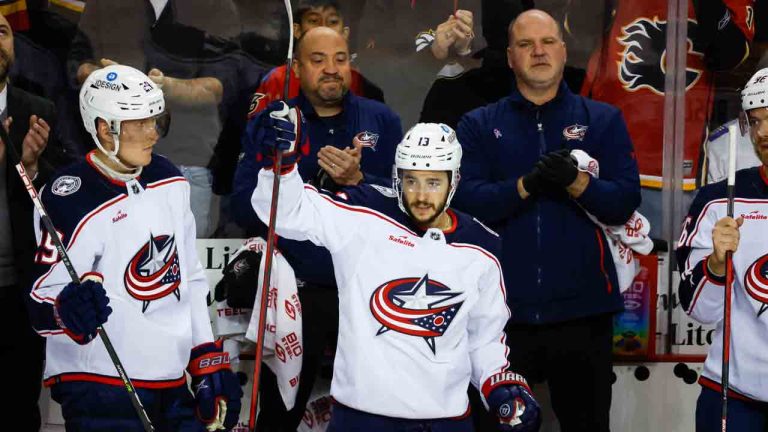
pixel 137 138
pixel 6 49
pixel 536 52
pixel 424 194
pixel 321 17
pixel 758 130
pixel 323 67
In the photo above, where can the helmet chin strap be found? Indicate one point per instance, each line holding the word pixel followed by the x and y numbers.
pixel 112 155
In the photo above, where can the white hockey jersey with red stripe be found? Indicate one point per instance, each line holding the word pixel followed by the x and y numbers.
pixel 421 314
pixel 701 292
pixel 140 237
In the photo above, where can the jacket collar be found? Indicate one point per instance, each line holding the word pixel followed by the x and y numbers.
pixel 517 98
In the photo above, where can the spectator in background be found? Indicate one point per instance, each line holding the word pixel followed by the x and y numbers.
pixel 29 120
pixel 201 74
pixel 517 175
pixel 351 140
pixel 308 15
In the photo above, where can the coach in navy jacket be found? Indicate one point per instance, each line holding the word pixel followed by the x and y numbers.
pixel 517 177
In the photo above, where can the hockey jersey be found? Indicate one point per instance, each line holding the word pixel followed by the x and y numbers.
pixel 717 152
pixel 628 71
pixel 701 293
pixel 140 237
pixel 421 314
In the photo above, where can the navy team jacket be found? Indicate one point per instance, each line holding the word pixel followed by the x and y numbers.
pixel 312 263
pixel 557 265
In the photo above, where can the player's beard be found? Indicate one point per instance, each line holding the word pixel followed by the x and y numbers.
pixel 6 61
pixel 430 220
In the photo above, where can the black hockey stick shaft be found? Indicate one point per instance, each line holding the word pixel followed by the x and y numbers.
pixel 727 293
pixel 270 249
pixel 11 151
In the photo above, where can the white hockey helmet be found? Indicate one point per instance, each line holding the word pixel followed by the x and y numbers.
pixel 754 95
pixel 428 147
pixel 118 93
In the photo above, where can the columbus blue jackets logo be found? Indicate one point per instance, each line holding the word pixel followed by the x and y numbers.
pixel 756 282
pixel 644 59
pixel 418 307
pixel 367 139
pixel 154 271
pixel 575 132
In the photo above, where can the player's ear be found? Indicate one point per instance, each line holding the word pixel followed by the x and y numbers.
pixel 295 66
pixel 105 137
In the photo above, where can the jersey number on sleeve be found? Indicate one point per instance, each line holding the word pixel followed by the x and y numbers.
pixel 47 253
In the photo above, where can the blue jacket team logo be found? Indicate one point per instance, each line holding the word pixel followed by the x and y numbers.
pixel 367 139
pixel 154 271
pixel 756 282
pixel 415 306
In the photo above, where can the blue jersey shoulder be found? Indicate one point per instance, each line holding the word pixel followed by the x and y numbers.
pixel 159 169
pixel 73 193
pixel 469 230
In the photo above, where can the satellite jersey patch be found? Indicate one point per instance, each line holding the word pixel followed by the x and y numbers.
pixel 66 185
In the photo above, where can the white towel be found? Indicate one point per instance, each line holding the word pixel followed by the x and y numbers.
pixel 283 348
pixel 622 239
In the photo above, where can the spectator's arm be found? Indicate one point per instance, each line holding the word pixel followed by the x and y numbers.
pixel 192 92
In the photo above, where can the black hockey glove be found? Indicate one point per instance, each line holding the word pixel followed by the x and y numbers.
pixel 558 168
pixel 241 277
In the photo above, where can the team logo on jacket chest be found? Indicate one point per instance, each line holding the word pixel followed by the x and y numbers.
pixel 366 139
pixel 575 132
pixel 418 307
pixel 154 271
pixel 756 282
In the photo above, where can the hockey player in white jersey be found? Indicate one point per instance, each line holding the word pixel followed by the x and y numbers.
pixel 421 295
pixel 707 235
pixel 123 215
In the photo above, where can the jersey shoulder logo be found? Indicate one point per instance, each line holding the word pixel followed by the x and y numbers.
pixel 418 307
pixel 756 282
pixel 643 61
pixel 253 109
pixel 66 185
pixel 154 271
pixel 387 192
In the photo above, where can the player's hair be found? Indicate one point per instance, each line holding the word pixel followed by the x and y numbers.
pixel 305 6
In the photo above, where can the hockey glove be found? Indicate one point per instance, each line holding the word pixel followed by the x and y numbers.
pixel 558 168
pixel 284 130
pixel 216 388
pixel 241 277
pixel 81 308
pixel 533 182
pixel 509 396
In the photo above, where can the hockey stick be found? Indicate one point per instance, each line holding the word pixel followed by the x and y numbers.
pixel 270 249
pixel 16 159
pixel 730 190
